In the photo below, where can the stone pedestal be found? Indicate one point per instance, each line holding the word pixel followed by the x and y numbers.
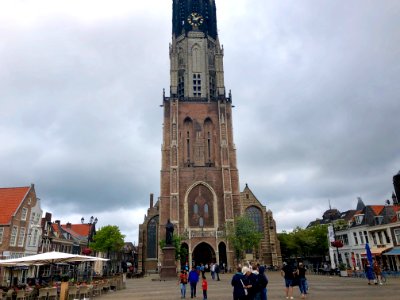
pixel 168 267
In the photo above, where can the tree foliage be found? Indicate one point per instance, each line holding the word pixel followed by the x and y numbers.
pixel 108 238
pixel 307 242
pixel 243 236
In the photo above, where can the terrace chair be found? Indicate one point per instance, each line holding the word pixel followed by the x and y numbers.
pixel 52 294
pixel 43 293
pixel 9 294
pixel 73 292
pixel 97 289
pixel 84 292
pixel 20 295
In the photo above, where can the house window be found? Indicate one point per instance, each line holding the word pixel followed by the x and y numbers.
pixel 195 208
pixel 21 237
pixel 1 235
pixel 35 238
pixel 366 237
pixel 13 238
pixel 396 235
pixel 201 222
pixel 206 208
pixel 24 214
pixel 361 237
pixel 359 219
pixel 355 238
pixel 378 220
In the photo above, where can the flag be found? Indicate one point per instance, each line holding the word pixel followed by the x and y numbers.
pixel 369 254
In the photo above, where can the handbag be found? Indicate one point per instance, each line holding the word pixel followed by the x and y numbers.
pixel 245 290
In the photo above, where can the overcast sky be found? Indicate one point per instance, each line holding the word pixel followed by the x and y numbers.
pixel 315 86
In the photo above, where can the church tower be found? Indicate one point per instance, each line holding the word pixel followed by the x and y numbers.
pixel 200 191
pixel 199 177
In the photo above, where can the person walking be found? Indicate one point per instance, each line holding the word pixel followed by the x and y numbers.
pixel 250 282
pixel 183 279
pixel 239 291
pixel 204 287
pixel 193 280
pixel 217 269
pixel 212 269
pixel 378 273
pixel 261 287
pixel 288 275
pixel 301 274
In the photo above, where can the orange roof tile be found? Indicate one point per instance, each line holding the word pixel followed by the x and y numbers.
pixel 10 200
pixel 377 209
pixel 80 229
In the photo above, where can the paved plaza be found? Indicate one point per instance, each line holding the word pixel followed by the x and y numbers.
pixel 321 287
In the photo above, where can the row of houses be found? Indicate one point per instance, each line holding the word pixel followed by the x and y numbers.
pixel 377 225
pixel 23 232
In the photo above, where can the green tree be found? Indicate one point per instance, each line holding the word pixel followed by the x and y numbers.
pixel 243 236
pixel 108 238
pixel 307 242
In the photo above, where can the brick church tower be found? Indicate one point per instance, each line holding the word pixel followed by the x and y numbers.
pixel 200 191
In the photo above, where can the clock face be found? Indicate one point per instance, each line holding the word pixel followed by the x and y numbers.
pixel 195 19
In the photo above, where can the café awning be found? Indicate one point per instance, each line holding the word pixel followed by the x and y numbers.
pixel 394 251
pixel 376 251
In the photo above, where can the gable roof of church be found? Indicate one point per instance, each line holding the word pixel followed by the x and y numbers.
pixel 10 201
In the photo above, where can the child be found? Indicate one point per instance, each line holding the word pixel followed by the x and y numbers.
pixel 204 286
pixel 183 279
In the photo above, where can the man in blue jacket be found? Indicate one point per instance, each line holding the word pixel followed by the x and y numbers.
pixel 193 279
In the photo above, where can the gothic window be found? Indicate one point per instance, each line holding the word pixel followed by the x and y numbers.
pixel 196 85
pixel 200 206
pixel 208 147
pixel 201 222
pixel 255 215
pixel 152 238
pixel 212 87
pixel 181 86
pixel 187 142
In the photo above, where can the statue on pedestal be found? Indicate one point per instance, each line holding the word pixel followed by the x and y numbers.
pixel 169 227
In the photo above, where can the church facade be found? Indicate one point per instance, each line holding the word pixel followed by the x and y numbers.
pixel 200 192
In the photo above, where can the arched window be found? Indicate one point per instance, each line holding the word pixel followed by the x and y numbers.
pixel 152 238
pixel 196 208
pixel 201 222
pixel 206 208
pixel 255 215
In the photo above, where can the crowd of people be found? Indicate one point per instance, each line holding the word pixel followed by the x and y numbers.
pixel 249 281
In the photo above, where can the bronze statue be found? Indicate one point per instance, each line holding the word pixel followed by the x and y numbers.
pixel 169 233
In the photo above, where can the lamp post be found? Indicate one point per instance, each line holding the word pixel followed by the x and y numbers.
pixel 92 223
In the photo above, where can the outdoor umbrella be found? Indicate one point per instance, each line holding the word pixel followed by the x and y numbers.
pixel 48 258
pixel 369 254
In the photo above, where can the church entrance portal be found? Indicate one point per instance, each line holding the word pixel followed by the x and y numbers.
pixel 203 253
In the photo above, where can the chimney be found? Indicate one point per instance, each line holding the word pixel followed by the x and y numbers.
pixel 48 217
pixel 396 184
pixel 57 222
pixel 69 225
pixel 151 200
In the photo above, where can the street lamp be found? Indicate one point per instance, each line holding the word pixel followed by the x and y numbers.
pixel 87 251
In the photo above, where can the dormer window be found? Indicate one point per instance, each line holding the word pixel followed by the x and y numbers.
pixel 378 220
pixel 359 219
